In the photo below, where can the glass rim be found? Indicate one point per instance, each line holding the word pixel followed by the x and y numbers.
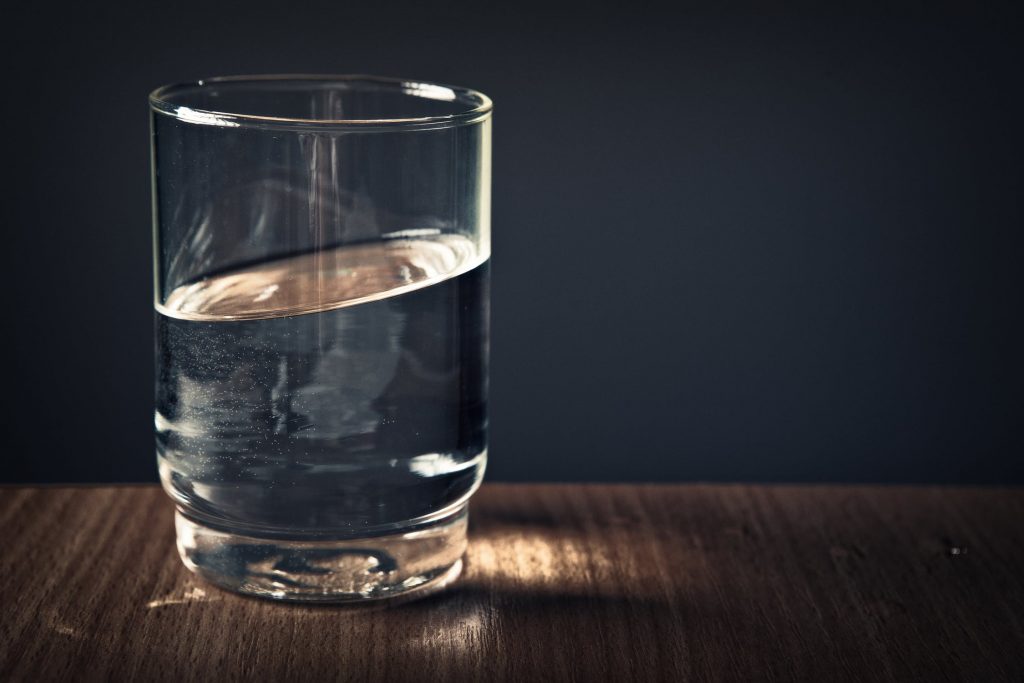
pixel 479 105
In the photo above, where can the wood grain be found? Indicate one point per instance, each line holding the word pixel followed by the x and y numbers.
pixel 580 582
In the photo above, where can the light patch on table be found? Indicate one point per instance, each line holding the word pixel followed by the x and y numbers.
pixel 522 558
pixel 59 625
pixel 565 563
pixel 192 594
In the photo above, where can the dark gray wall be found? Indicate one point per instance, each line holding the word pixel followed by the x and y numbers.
pixel 734 245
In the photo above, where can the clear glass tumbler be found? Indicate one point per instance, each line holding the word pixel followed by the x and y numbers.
pixel 321 249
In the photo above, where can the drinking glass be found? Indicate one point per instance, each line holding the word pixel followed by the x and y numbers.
pixel 321 250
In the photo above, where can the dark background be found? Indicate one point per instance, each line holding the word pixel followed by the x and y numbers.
pixel 730 244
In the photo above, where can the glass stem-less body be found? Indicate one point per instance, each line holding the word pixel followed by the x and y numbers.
pixel 321 405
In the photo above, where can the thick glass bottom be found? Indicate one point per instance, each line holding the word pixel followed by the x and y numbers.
pixel 416 561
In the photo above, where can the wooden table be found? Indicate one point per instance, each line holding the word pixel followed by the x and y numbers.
pixel 580 582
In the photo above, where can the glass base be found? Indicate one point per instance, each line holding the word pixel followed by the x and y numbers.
pixel 416 561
